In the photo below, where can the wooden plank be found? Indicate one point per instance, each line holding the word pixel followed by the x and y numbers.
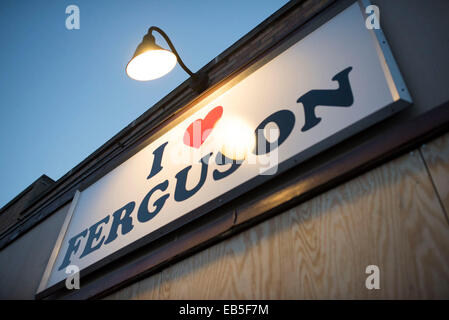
pixel 243 267
pixel 147 289
pixel 436 156
pixel 389 217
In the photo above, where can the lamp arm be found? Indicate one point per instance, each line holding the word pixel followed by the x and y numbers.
pixel 172 47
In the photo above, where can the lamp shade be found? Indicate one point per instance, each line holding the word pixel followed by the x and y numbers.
pixel 150 61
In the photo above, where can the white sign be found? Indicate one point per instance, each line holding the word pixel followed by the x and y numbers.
pixel 331 84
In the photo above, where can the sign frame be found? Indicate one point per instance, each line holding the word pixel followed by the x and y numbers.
pixel 397 88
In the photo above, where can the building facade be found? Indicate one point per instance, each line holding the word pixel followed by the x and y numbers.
pixel 371 203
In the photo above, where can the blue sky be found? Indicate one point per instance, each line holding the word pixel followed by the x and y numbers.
pixel 63 93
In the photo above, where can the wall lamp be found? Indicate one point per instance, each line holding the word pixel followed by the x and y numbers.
pixel 150 61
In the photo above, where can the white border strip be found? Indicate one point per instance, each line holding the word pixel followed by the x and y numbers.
pixel 393 76
pixel 54 254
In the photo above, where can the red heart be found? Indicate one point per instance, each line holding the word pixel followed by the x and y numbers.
pixel 200 129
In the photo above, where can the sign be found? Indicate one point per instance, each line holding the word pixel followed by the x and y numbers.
pixel 332 83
